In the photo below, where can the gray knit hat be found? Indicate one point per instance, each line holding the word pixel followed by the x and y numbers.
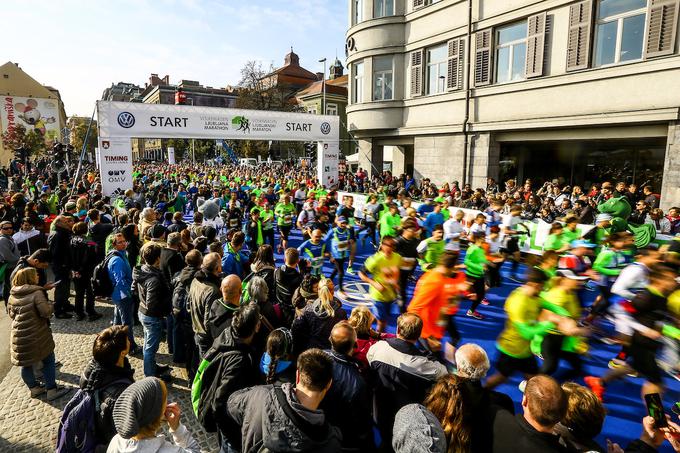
pixel 138 406
pixel 417 430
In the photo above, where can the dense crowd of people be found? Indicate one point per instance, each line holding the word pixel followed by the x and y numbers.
pixel 274 359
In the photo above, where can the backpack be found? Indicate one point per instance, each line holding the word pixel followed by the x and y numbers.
pixel 76 432
pixel 180 298
pixel 102 286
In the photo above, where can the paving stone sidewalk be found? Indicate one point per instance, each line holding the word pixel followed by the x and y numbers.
pixel 30 425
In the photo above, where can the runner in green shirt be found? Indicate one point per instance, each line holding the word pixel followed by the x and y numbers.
pixel 556 240
pixel 285 215
pixel 390 221
pixel 384 268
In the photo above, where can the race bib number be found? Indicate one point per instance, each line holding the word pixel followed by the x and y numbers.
pixel 407 264
pixel 287 219
pixel 342 245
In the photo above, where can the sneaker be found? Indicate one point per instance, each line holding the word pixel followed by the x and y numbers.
pixel 595 384
pixel 63 315
pixel 37 391
pixel 485 301
pixel 56 393
pixel 474 314
pixel 162 369
pixel 522 386
pixel 616 363
pixel 94 317
pixel 80 316
pixel 350 271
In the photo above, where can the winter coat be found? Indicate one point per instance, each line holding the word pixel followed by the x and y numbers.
pixel 183 442
pixel 60 244
pixel 287 280
pixel 83 256
pixel 31 337
pixel 313 328
pixel 155 298
pixel 9 252
pixel 233 261
pixel 110 382
pixel 271 422
pixel 120 274
pixel 204 290
pixel 171 263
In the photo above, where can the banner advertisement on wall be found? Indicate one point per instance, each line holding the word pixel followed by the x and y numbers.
pixel 115 160
pixel 35 114
pixel 171 155
pixel 327 163
pixel 123 119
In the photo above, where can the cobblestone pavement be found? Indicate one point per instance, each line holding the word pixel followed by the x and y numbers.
pixel 30 425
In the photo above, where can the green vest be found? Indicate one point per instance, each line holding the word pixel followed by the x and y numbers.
pixel 434 251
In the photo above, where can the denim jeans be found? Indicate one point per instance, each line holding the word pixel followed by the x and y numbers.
pixel 170 327
pixel 153 332
pixel 123 315
pixel 49 373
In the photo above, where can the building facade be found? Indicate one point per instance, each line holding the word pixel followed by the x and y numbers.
pixel 123 92
pixel 469 89
pixel 28 103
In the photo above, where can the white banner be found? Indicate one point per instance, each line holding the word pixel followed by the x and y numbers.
pixel 35 114
pixel 171 155
pixel 327 163
pixel 124 119
pixel 115 165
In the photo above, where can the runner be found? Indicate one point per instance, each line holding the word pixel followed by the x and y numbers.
pixel 475 268
pixel 285 212
pixel 341 238
pixel 313 250
pixel 407 247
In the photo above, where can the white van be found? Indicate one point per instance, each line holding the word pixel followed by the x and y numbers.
pixel 248 162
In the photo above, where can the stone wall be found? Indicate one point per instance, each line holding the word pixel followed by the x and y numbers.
pixel 670 189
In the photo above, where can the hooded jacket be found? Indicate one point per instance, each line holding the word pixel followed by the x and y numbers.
pixel 204 290
pixel 155 298
pixel 110 382
pixel 279 422
pixel 287 280
pixel 30 335
pixel 313 328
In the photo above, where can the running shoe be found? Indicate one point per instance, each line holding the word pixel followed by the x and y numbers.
pixel 616 363
pixel 485 301
pixel 595 384
pixel 474 314
pixel 350 271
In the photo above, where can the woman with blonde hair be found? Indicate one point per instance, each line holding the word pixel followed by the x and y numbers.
pixel 449 402
pixel 313 327
pixel 30 335
pixel 362 320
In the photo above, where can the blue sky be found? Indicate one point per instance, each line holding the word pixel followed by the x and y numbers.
pixel 81 47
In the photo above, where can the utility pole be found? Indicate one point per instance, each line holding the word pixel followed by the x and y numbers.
pixel 323 87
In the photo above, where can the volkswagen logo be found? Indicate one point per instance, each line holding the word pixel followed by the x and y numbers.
pixel 126 120
pixel 325 128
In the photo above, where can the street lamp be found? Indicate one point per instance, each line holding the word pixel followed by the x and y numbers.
pixel 323 87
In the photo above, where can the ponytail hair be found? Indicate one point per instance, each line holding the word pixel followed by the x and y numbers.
pixel 448 401
pixel 279 345
pixel 326 296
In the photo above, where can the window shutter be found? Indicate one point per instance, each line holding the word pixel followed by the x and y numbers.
pixel 417 73
pixel 580 31
pixel 661 27
pixel 483 57
pixel 418 4
pixel 536 28
pixel 454 72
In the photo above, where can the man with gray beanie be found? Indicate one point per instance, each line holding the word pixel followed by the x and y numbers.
pixel 137 417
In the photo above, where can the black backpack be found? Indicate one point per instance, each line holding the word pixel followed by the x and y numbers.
pixel 102 286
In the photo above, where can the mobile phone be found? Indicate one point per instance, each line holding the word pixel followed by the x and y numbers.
pixel 655 410
pixel 56 283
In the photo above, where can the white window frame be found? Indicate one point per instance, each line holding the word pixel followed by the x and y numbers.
pixel 357 11
pixel 511 56
pixel 384 4
pixel 619 18
pixel 357 83
pixel 312 109
pixel 382 75
pixel 332 109
pixel 428 64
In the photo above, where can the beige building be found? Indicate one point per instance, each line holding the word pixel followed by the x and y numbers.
pixel 465 90
pixel 28 103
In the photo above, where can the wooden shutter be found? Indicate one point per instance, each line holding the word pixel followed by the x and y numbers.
pixel 454 73
pixel 418 4
pixel 417 72
pixel 536 27
pixel 580 32
pixel 662 26
pixel 483 53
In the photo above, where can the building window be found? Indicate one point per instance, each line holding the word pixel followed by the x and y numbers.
pixel 620 31
pixel 357 6
pixel 311 109
pixel 437 60
pixel 382 78
pixel 511 52
pixel 383 8
pixel 331 109
pixel 358 83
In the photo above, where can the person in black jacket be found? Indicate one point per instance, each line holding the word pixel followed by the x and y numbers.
pixel 155 304
pixel 60 243
pixel 171 263
pixel 347 404
pixel 288 278
pixel 544 404
pixel 99 231
pixel 83 261
pixel 185 347
pixel 222 310
pixel 40 261
pixel 109 373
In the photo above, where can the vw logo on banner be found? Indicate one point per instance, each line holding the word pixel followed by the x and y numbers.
pixel 325 128
pixel 126 120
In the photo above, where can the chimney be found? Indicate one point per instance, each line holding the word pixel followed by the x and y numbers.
pixel 319 76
